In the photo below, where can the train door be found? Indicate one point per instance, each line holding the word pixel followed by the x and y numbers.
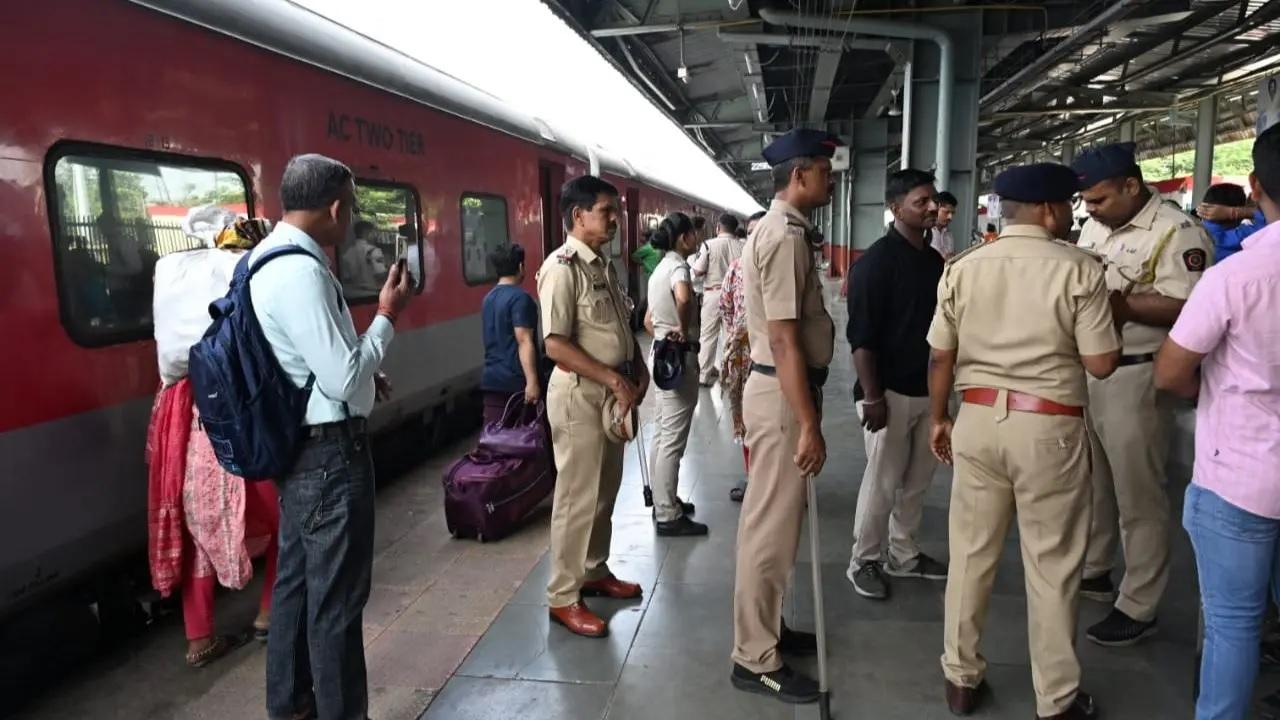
pixel 550 179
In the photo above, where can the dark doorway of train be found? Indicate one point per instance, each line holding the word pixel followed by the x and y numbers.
pixel 550 179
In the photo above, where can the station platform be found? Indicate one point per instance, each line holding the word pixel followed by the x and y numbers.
pixel 457 630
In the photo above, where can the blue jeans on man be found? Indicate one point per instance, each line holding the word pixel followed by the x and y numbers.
pixel 315 653
pixel 1238 559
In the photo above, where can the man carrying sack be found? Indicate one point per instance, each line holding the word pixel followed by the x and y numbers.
pixel 782 411
pixel 584 323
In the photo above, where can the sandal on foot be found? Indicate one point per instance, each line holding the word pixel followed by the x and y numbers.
pixel 260 632
pixel 220 646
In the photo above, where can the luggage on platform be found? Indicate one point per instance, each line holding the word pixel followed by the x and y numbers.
pixel 487 496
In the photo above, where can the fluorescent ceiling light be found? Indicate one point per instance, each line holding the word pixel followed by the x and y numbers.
pixel 607 110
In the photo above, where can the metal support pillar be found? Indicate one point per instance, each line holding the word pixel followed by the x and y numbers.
pixel 1206 134
pixel 1068 152
pixel 1128 131
pixel 920 135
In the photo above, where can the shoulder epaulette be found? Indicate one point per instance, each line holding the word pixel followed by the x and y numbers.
pixel 966 252
pixel 565 254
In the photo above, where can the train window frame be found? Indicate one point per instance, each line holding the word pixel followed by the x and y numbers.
pixel 66 148
pixel 417 221
pixel 462 238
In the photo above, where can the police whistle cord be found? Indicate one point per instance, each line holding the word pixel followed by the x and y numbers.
pixel 819 618
pixel 644 466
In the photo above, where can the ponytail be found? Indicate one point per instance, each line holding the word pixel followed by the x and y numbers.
pixel 671 228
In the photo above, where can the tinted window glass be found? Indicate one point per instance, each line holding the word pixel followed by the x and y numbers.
pixel 484 229
pixel 383 229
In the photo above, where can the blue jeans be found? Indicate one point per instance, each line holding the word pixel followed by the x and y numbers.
pixel 1238 562
pixel 315 653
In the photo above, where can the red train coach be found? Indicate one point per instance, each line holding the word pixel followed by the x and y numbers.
pixel 120 118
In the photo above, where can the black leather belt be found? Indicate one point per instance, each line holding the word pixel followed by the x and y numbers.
pixel 817 376
pixel 1136 359
pixel 351 427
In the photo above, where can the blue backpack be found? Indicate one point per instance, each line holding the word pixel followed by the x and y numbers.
pixel 249 407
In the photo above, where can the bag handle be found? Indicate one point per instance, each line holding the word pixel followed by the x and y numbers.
pixel 517 400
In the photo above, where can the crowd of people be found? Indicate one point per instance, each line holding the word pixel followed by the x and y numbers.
pixel 1062 357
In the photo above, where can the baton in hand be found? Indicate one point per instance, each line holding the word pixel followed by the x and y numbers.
pixel 644 466
pixel 820 623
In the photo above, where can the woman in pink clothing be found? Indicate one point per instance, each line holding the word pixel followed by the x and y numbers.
pixel 1225 348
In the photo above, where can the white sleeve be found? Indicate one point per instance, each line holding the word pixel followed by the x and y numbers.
pixel 313 322
pixel 679 275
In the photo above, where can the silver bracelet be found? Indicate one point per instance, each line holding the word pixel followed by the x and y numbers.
pixel 872 402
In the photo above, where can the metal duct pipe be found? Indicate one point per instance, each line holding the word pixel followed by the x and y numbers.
pixel 896 29
pixel 635 66
pixel 797 41
pixel 1037 73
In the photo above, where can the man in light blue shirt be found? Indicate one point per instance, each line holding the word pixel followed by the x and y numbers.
pixel 315 656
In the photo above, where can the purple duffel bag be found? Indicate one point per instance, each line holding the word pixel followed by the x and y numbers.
pixel 487 496
pixel 520 432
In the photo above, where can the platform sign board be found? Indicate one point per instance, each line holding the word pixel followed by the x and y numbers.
pixel 1268 103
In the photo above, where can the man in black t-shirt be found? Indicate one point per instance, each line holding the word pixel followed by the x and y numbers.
pixel 892 295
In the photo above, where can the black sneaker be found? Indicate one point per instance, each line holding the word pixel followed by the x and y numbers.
pixel 681 527
pixel 921 566
pixel 868 581
pixel 797 642
pixel 784 684
pixel 1099 588
pixel 1120 630
pixel 687 507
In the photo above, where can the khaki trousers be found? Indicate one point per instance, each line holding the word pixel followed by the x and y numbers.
pixel 1131 423
pixel 673 416
pixel 589 469
pixel 1035 468
pixel 900 466
pixel 769 526
pixel 710 336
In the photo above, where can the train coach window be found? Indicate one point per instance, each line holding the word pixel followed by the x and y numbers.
pixel 384 228
pixel 484 229
pixel 114 213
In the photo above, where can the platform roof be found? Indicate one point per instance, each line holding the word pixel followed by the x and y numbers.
pixel 1052 71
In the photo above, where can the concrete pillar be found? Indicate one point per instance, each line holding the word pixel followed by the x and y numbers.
pixel 966 31
pixel 1206 133
pixel 1068 152
pixel 870 170
pixel 1128 131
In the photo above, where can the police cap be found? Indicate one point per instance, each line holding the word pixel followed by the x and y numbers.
pixel 1104 163
pixel 1041 182
pixel 801 142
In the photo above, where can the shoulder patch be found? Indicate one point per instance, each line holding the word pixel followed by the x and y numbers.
pixel 1195 260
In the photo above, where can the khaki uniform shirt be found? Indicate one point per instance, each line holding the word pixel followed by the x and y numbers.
pixel 671 271
pixel 580 299
pixel 781 282
pixel 1178 261
pixel 713 263
pixel 1020 312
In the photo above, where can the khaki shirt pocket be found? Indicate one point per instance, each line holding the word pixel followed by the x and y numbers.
pixel 598 307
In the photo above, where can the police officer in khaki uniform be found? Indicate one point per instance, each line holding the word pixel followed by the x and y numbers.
pixel 792 339
pixel 1154 255
pixel 1019 321
pixel 584 323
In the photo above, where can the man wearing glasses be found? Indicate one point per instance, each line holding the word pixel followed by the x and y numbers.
pixel 1154 254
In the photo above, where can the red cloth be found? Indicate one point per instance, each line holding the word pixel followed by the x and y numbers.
pixel 167 438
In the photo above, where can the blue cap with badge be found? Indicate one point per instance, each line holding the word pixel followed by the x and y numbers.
pixel 801 142
pixel 1037 183
pixel 1104 163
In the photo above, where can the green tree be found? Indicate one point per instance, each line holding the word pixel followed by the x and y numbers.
pixel 1229 159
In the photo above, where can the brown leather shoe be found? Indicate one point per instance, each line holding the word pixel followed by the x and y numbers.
pixel 611 587
pixel 1082 708
pixel 579 620
pixel 963 700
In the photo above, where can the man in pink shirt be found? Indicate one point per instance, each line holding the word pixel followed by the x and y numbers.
pixel 1229 331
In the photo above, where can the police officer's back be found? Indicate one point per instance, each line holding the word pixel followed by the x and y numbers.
pixel 1019 321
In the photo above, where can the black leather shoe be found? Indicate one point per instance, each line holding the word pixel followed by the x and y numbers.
pixel 687 507
pixel 963 700
pixel 681 527
pixel 1082 708
pixel 784 684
